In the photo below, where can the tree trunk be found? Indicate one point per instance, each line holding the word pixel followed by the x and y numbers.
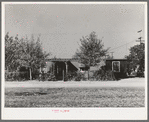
pixel 30 72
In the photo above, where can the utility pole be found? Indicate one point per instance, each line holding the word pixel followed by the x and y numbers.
pixel 140 48
pixel 140 38
pixel 112 54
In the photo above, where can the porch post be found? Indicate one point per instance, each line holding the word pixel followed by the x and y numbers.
pixel 63 75
pixel 66 67
pixel 54 68
pixel 30 73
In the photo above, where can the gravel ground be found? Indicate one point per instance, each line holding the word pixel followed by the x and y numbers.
pixel 130 82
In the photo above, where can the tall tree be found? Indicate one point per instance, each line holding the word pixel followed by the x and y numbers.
pixel 24 52
pixel 34 56
pixel 91 50
pixel 137 56
pixel 12 52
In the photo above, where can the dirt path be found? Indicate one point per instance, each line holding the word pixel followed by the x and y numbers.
pixel 131 82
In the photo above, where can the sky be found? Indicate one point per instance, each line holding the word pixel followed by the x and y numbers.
pixel 61 26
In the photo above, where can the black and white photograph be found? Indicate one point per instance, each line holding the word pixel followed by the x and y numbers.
pixel 74 60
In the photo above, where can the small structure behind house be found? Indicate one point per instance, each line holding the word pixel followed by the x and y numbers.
pixel 118 66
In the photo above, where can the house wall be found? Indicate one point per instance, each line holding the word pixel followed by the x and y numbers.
pixel 123 67
pixel 60 68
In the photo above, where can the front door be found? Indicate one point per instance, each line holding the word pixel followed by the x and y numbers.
pixel 60 70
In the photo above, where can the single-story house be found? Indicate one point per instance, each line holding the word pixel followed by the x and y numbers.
pixel 59 67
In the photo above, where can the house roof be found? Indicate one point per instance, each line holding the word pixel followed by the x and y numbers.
pixel 77 64
pixel 116 59
pixel 62 59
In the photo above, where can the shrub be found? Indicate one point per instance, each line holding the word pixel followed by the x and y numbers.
pixel 103 75
pixel 140 73
pixel 74 76
pixel 50 77
pixel 42 76
pixel 16 76
pixel 70 76
pixel 79 77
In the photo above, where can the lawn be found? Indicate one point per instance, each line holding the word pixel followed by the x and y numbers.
pixel 75 97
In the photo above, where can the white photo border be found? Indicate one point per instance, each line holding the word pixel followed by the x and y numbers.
pixel 75 113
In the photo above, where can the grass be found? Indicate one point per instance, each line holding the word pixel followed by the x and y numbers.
pixel 74 97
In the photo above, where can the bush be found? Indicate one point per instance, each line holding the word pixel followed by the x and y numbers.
pixel 80 76
pixel 50 76
pixel 103 75
pixel 74 76
pixel 42 76
pixel 16 76
pixel 140 73
pixel 70 76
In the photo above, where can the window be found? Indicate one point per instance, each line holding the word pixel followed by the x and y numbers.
pixel 116 66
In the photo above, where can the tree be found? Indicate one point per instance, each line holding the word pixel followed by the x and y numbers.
pixel 12 52
pixel 24 52
pixel 137 57
pixel 33 56
pixel 91 50
pixel 109 57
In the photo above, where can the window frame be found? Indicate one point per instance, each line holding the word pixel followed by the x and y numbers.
pixel 118 66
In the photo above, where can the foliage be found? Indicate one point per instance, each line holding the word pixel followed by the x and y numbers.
pixel 140 73
pixel 12 53
pixel 46 76
pixel 24 52
pixel 74 76
pixel 79 77
pixel 42 76
pixel 137 57
pixel 109 57
pixel 16 76
pixel 91 50
pixel 70 76
pixel 51 77
pixel 104 75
